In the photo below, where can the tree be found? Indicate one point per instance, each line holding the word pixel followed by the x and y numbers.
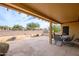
pixel 17 27
pixel 4 27
pixel 1 27
pixel 56 28
pixel 32 26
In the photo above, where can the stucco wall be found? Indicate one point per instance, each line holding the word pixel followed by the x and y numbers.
pixel 73 29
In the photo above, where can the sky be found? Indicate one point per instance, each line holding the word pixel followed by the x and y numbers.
pixel 11 17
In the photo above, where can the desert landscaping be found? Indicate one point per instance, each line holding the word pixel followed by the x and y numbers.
pixel 39 32
pixel 29 45
pixel 6 35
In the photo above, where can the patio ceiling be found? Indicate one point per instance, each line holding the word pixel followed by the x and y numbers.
pixel 60 13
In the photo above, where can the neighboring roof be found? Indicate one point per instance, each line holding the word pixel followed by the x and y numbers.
pixel 60 13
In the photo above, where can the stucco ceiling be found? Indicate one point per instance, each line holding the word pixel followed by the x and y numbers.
pixel 63 13
pixel 60 12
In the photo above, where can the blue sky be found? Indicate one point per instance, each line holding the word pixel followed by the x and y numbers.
pixel 11 17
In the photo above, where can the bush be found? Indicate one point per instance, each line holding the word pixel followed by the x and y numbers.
pixel 3 48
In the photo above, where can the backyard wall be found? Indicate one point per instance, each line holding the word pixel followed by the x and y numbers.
pixel 73 28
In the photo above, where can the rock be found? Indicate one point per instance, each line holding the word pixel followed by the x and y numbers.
pixel 3 48
pixel 11 39
pixel 36 35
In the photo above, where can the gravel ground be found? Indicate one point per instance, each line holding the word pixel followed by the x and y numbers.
pixel 39 46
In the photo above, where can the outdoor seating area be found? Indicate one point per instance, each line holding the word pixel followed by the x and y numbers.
pixel 64 40
pixel 39 46
pixel 49 43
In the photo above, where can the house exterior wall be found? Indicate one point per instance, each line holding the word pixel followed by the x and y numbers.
pixel 73 28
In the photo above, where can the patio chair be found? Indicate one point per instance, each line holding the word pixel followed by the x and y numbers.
pixel 70 38
pixel 58 40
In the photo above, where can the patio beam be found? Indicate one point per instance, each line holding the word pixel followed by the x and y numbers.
pixel 50 33
pixel 20 7
pixel 28 10
pixel 70 22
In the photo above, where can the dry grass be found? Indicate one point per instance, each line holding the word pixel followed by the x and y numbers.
pixel 5 35
pixel 18 37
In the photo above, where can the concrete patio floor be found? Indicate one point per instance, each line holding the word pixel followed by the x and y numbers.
pixel 39 46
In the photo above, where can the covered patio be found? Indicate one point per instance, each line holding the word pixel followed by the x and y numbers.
pixel 65 14
pixel 39 46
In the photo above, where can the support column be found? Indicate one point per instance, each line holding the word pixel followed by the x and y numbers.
pixel 50 33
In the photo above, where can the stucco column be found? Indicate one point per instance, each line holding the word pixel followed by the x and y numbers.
pixel 50 33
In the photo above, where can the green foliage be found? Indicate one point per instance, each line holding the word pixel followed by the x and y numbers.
pixel 32 26
pixel 1 27
pixel 4 27
pixel 56 28
pixel 17 27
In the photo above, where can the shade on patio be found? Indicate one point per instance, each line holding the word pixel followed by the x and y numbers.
pixel 65 14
